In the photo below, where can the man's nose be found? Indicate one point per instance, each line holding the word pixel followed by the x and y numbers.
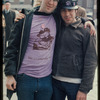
pixel 51 1
pixel 66 13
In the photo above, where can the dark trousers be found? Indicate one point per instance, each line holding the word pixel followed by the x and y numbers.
pixel 63 89
pixel 30 88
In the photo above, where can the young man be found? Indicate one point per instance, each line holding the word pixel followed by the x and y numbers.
pixel 9 19
pixel 75 57
pixel 29 58
pixel 35 53
pixel 3 26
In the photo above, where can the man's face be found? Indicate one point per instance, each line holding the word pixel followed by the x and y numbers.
pixel 7 6
pixel 48 6
pixel 3 7
pixel 68 15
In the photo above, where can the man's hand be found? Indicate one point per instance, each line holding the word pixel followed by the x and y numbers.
pixel 92 28
pixel 10 83
pixel 19 16
pixel 81 96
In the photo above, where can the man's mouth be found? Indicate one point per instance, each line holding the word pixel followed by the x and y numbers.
pixel 49 7
pixel 67 18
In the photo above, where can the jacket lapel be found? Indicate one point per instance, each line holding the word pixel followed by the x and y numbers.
pixel 26 35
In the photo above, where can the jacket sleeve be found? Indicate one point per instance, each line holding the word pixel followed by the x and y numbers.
pixel 90 62
pixel 87 19
pixel 11 52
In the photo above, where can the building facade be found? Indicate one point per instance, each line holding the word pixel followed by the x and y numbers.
pixel 19 4
pixel 89 5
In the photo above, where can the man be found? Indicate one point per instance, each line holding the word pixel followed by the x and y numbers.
pixel 9 19
pixel 3 25
pixel 75 57
pixel 81 12
pixel 34 81
pixel 28 58
pixel 3 6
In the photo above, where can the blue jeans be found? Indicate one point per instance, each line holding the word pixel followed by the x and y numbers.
pixel 63 89
pixel 30 88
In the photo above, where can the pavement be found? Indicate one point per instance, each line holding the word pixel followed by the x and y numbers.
pixel 92 95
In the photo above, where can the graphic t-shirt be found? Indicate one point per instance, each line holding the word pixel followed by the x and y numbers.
pixel 37 61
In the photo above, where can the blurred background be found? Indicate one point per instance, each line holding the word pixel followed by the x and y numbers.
pixel 89 5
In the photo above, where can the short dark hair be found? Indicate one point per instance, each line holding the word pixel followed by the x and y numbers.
pixel 7 1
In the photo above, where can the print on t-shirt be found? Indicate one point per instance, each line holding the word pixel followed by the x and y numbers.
pixel 43 40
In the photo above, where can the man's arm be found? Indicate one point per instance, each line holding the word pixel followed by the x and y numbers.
pixel 81 96
pixel 89 23
pixel 21 14
pixel 11 52
pixel 90 63
pixel 11 55
pixel 10 82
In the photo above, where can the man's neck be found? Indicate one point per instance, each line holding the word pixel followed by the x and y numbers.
pixel 71 22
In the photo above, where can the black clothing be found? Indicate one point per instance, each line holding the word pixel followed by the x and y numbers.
pixel 9 19
pixel 75 54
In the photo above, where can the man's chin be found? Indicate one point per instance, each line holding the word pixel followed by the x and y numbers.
pixel 68 22
pixel 49 11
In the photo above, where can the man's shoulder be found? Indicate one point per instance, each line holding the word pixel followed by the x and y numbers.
pixel 27 11
pixel 84 31
pixel 81 28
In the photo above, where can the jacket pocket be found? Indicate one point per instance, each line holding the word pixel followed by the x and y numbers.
pixel 77 62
